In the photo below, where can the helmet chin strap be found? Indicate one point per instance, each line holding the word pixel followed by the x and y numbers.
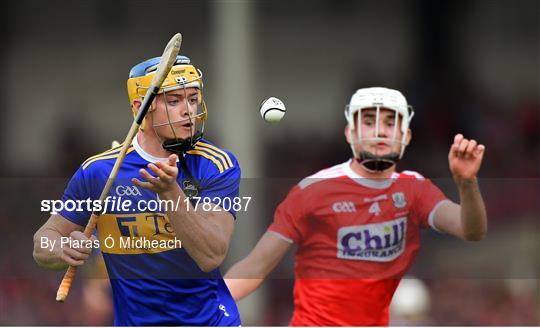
pixel 374 163
pixel 179 146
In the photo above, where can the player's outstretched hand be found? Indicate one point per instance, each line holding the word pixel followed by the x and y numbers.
pixel 165 179
pixel 465 158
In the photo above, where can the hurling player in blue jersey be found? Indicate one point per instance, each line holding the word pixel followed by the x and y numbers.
pixel 169 160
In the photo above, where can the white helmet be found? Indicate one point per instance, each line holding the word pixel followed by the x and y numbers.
pixel 378 97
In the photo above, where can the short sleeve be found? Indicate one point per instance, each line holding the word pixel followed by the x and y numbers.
pixel 224 186
pixel 289 217
pixel 75 192
pixel 428 198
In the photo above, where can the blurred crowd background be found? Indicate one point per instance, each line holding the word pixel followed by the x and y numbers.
pixel 465 66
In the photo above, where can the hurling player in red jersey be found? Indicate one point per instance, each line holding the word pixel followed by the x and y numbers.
pixel 357 224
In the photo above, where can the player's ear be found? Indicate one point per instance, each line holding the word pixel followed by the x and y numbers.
pixel 135 109
pixel 136 105
pixel 347 134
pixel 408 137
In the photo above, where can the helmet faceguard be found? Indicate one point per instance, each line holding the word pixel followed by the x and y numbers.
pixel 375 100
pixel 182 76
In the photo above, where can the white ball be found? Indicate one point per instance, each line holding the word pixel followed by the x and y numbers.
pixel 272 110
pixel 411 297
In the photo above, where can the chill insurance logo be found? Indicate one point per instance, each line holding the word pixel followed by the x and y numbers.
pixel 380 242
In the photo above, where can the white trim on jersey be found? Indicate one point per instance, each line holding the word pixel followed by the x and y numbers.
pixel 414 173
pixel 431 216
pixel 280 236
pixel 329 173
pixel 344 169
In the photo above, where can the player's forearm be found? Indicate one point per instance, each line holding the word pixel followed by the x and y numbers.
pixel 247 275
pixel 241 288
pixel 473 211
pixel 201 238
pixel 244 278
pixel 47 250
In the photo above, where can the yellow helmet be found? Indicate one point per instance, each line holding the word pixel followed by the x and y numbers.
pixel 182 75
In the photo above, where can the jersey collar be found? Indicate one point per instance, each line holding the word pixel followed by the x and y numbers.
pixel 370 183
pixel 147 157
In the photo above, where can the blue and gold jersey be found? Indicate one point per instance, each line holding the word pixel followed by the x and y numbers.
pixel 156 285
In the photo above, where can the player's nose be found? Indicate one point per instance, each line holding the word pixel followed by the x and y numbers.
pixel 383 131
pixel 183 111
pixel 188 110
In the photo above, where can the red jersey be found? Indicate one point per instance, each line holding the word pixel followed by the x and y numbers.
pixel 356 238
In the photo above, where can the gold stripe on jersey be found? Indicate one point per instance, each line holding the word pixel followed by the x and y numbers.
pixel 110 151
pixel 210 157
pixel 224 153
pixel 137 233
pixel 216 154
pixel 87 163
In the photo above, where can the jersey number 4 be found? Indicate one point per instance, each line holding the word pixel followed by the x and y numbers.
pixel 375 208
